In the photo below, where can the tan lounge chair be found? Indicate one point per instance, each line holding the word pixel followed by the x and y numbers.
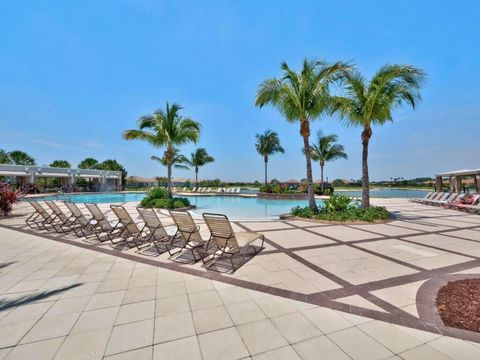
pixel 102 224
pixel 230 244
pixel 189 235
pixel 129 227
pixel 62 222
pixel 156 230
pixel 40 217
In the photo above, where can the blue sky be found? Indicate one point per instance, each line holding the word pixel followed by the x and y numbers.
pixel 75 74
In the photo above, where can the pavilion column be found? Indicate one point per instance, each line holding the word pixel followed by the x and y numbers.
pixel 459 184
pixel 438 184
pixel 476 181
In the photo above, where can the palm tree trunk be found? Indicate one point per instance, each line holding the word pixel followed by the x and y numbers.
pixel 196 176
pixel 265 159
pixel 366 134
pixel 305 132
pixel 169 184
pixel 321 177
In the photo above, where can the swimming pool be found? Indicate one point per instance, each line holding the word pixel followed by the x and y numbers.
pixel 234 206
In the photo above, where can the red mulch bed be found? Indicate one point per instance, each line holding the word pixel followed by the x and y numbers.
pixel 458 304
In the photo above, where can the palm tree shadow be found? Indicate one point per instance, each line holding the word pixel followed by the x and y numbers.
pixel 7 304
pixel 5 264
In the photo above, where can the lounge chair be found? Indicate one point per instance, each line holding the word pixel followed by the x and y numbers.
pixel 429 195
pixel 40 217
pixel 102 224
pixel 208 190
pixel 442 200
pixel 129 227
pixel 190 239
pixel 156 230
pixel 229 244
pixel 237 190
pixel 84 226
pixel 467 204
pixel 62 222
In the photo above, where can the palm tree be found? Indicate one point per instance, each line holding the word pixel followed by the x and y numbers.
pixel 21 158
pixel 369 103
pixel 88 163
pixel 60 164
pixel 302 96
pixel 326 149
pixel 178 160
pixel 166 128
pixel 198 159
pixel 268 144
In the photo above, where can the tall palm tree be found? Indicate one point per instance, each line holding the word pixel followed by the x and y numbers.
pixel 302 97
pixel 326 149
pixel 198 159
pixel 369 103
pixel 166 128
pixel 268 144
pixel 178 160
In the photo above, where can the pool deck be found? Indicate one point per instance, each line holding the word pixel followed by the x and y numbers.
pixel 345 291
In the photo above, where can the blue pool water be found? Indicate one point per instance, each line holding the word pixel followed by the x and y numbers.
pixel 233 206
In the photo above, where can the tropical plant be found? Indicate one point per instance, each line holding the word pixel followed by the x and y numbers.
pixel 4 157
pixel 267 145
pixel 21 158
pixel 369 103
pixel 337 203
pixel 88 163
pixel 198 159
pixel 302 97
pixel 8 197
pixel 160 198
pixel 174 158
pixel 326 149
pixel 166 128
pixel 60 164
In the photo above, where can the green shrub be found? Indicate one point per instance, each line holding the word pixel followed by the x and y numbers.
pixel 304 212
pixel 172 203
pixel 328 191
pixel 354 213
pixel 351 213
pixel 337 203
pixel 158 198
pixel 158 193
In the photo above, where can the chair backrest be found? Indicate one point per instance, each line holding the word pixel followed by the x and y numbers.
pixel 99 217
pixel 444 196
pixel 186 226
pixel 432 195
pixel 39 209
pixel 428 195
pixel 438 196
pixel 152 221
pixel 451 197
pixel 76 212
pixel 57 211
pixel 125 219
pixel 220 229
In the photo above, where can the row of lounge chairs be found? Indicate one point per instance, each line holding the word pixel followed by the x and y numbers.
pixel 208 190
pixel 458 201
pixel 184 245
